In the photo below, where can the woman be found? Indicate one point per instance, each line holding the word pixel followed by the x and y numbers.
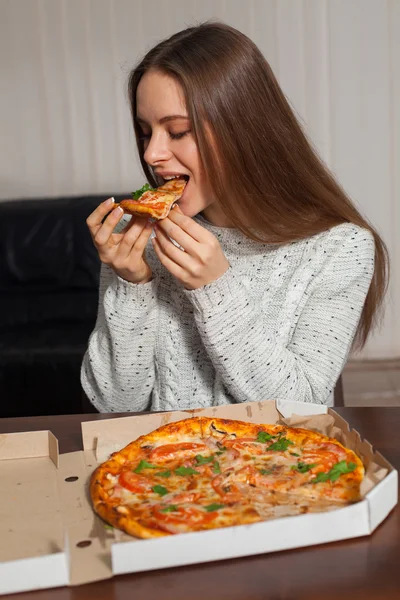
pixel 274 275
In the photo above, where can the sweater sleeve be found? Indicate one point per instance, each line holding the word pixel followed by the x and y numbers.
pixel 245 349
pixel 118 369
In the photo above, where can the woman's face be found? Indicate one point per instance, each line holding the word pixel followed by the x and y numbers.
pixel 169 146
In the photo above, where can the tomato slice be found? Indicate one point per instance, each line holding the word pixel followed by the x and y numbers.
pixel 133 482
pixel 323 459
pixel 171 451
pixel 183 519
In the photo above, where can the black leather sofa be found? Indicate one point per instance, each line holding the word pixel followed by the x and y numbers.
pixel 49 274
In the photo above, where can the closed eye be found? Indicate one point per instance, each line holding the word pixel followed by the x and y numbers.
pixel 179 136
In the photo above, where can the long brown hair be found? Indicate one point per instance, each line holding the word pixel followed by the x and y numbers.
pixel 270 182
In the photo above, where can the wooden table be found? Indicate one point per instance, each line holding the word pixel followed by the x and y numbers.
pixel 365 568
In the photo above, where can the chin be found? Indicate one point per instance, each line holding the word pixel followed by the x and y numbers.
pixel 190 209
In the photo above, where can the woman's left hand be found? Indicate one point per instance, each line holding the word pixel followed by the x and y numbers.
pixel 200 262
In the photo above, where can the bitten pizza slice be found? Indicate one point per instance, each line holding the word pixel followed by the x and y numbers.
pixel 154 203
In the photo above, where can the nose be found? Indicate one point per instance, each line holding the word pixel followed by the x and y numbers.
pixel 157 149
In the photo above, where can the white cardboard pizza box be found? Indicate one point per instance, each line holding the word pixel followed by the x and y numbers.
pixel 63 542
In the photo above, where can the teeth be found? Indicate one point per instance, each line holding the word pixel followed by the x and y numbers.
pixel 172 177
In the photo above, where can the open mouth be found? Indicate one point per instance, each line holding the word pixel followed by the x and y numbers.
pixel 177 176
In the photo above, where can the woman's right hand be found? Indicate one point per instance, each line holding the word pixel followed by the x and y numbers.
pixel 123 252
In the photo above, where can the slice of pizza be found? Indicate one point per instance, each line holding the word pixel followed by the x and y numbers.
pixel 155 203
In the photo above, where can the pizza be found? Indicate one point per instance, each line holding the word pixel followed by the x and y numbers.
pixel 155 203
pixel 203 473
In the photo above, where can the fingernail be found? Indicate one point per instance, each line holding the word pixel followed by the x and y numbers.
pixel 118 211
pixel 109 201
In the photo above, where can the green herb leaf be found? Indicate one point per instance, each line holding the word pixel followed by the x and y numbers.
pixel 281 445
pixel 169 508
pixel 263 437
pixel 202 460
pixel 107 526
pixel 186 471
pixel 219 453
pixel 160 490
pixel 144 465
pixel 212 507
pixel 265 471
pixel 302 467
pixel 294 454
pixel 221 447
pixel 145 188
pixel 163 474
pixel 216 467
pixel 341 468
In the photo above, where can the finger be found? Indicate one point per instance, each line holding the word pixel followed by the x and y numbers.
pixel 169 264
pixel 94 220
pixel 129 224
pixel 175 232
pixel 188 225
pixel 143 238
pixel 131 237
pixel 103 234
pixel 179 257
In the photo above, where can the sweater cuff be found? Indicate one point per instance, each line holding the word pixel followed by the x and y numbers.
pixel 134 291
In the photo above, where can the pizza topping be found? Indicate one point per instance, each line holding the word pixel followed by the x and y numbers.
pixel 122 509
pixel 169 508
pixel 263 437
pixel 303 467
pixel 202 460
pixel 136 195
pixel 188 496
pixel 337 470
pixel 281 445
pixel 182 518
pixel 144 465
pixel 166 473
pixel 212 507
pixel 159 489
pixel 265 471
pixel 216 467
pixel 133 482
pixel 185 471
pixel 174 451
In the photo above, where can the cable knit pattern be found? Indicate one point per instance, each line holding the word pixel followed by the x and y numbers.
pixel 277 325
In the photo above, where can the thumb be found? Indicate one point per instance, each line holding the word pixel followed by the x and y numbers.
pixel 178 209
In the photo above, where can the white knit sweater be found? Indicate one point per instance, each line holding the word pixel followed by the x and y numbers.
pixel 277 325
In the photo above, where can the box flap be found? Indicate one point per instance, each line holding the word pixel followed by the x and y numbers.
pixel 33 573
pixel 288 408
pixel 30 444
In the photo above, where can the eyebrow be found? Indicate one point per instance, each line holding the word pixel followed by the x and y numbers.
pixel 165 119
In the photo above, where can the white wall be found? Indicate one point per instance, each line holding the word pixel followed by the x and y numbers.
pixel 65 125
